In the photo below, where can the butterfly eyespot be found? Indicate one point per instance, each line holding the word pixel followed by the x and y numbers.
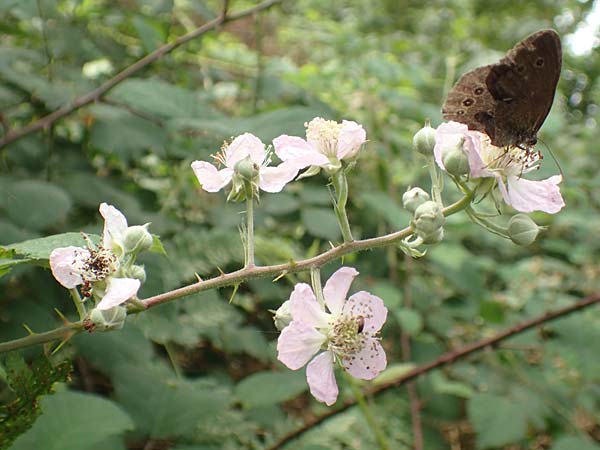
pixel 539 62
pixel 460 112
pixel 521 68
pixel 479 91
pixel 468 102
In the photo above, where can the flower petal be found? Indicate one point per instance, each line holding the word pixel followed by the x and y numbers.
pixel 297 343
pixel 242 146
pixel 115 225
pixel 528 196
pixel 370 307
pixel 305 307
pixel 352 136
pixel 321 378
pixel 211 179
pixel 118 290
pixel 337 287
pixel 273 179
pixel 64 262
pixel 298 151
pixel 450 134
pixel 367 363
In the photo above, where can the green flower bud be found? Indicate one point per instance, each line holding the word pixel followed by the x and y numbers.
pixel 108 319
pixel 522 230
pixel 455 160
pixel 428 219
pixel 137 238
pixel 434 237
pixel 413 198
pixel 137 272
pixel 424 140
pixel 247 168
pixel 283 316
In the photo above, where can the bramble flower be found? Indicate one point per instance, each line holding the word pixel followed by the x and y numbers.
pixel 243 148
pixel 327 144
pixel 95 269
pixel 345 329
pixel 506 165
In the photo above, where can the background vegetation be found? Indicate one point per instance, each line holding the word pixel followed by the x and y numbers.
pixel 200 373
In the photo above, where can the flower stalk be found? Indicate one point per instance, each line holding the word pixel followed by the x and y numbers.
pixel 340 186
pixel 249 257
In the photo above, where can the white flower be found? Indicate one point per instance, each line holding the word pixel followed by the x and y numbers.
pixel 347 332
pixel 506 165
pixel 271 179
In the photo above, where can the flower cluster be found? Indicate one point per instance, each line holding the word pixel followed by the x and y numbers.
pixel 106 272
pixel 505 166
pixel 345 329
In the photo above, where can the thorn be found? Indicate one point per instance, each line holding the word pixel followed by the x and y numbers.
pixel 221 271
pixel 235 289
pixel 331 245
pixel 62 343
pixel 280 276
pixel 65 321
pixel 198 277
pixel 29 330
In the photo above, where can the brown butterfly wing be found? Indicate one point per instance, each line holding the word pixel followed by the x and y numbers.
pixel 519 92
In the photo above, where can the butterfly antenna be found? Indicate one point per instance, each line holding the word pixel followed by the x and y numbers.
pixel 562 174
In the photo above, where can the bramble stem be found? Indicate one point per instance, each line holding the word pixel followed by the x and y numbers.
pixel 340 186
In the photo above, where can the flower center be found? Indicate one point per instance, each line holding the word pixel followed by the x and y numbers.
pixel 323 134
pixel 221 156
pixel 346 335
pixel 513 161
pixel 100 264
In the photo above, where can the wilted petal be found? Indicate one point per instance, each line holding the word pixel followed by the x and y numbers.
pixel 211 179
pixel 64 262
pixel 352 136
pixel 337 287
pixel 370 307
pixel 273 179
pixel 305 308
pixel 297 343
pixel 367 363
pixel 242 146
pixel 118 290
pixel 528 196
pixel 115 225
pixel 298 151
pixel 321 378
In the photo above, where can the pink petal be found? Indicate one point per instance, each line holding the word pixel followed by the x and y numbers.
pixel 305 307
pixel 337 287
pixel 321 379
pixel 367 363
pixel 370 307
pixel 297 343
pixel 273 179
pixel 64 262
pixel 298 151
pixel 528 196
pixel 115 225
pixel 118 290
pixel 242 146
pixel 352 136
pixel 449 134
pixel 211 179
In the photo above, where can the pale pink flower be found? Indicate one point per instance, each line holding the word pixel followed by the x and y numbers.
pixel 346 330
pixel 506 165
pixel 271 179
pixel 75 266
pixel 327 143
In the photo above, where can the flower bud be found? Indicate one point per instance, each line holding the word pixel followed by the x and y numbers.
pixel 522 230
pixel 137 238
pixel 108 319
pixel 247 168
pixel 137 272
pixel 455 160
pixel 413 198
pixel 428 219
pixel 424 140
pixel 434 237
pixel 283 315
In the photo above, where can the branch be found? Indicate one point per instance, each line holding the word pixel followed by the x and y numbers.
pixel 97 93
pixel 446 358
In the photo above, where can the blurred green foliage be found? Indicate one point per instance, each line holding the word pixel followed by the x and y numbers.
pixel 201 373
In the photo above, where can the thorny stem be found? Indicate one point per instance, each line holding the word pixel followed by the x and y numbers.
pixel 367 412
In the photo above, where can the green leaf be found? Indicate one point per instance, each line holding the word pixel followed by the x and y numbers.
pixel 442 385
pixel 322 223
pixel 35 204
pixel 385 207
pixel 574 443
pixel 74 421
pixel 40 249
pixel 411 321
pixel 270 388
pixel 492 311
